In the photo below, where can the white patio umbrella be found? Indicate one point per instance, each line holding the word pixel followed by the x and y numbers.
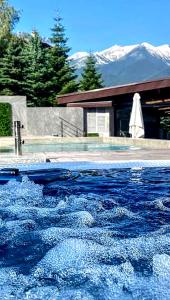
pixel 136 125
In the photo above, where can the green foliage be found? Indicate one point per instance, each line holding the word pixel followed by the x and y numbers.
pixel 8 18
pixel 165 123
pixel 37 72
pixel 90 78
pixel 11 61
pixel 30 67
pixel 5 119
pixel 12 64
pixel 93 134
pixel 63 77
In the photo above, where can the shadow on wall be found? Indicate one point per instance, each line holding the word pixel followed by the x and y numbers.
pixel 68 129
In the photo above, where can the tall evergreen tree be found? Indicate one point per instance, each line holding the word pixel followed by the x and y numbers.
pixel 63 75
pixel 38 72
pixel 90 78
pixel 12 66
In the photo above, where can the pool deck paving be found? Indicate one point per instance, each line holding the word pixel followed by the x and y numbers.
pixel 98 156
pixel 142 149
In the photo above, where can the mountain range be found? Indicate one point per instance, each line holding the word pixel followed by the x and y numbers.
pixel 122 65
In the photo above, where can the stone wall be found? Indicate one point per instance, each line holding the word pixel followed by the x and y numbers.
pixel 58 121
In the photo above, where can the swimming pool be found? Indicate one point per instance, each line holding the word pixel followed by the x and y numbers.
pixel 68 147
pixel 86 234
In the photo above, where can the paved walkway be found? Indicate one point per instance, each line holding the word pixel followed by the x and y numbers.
pixel 143 149
pixel 139 154
pixel 111 155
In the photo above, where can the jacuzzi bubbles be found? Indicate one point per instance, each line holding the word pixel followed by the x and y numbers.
pixel 93 235
pixel 26 193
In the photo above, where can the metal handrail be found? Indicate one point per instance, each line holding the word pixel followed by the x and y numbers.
pixel 75 128
pixel 69 128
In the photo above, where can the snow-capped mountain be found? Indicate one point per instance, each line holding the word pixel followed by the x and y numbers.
pixel 134 63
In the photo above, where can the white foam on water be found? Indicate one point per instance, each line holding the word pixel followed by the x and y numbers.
pixel 161 265
pixel 23 193
pixel 42 293
pixel 77 219
pixel 70 254
pixel 75 255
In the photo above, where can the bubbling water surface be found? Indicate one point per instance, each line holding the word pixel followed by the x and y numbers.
pixel 97 234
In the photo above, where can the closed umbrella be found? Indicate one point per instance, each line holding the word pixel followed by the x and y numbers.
pixel 136 125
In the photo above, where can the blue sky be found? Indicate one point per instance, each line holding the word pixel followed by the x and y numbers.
pixel 94 25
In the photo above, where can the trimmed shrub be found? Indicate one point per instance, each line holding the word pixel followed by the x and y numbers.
pixel 93 134
pixel 5 119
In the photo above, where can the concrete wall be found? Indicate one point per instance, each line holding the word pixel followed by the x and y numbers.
pixel 66 121
pixel 19 109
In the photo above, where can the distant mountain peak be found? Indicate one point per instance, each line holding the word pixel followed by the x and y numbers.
pixel 116 52
pixel 127 64
pixel 79 55
pixel 146 45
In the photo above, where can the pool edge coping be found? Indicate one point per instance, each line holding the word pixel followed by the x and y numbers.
pixel 87 165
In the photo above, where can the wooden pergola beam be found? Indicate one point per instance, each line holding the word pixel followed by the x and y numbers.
pixel 91 104
pixel 157 101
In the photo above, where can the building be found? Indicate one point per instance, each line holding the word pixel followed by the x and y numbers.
pixel 106 111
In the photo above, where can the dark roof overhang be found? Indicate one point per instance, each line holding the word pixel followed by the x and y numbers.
pixel 106 93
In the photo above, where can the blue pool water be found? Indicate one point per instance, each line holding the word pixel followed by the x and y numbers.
pixel 69 147
pixel 86 234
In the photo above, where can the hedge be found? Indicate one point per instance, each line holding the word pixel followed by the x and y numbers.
pixel 92 134
pixel 5 119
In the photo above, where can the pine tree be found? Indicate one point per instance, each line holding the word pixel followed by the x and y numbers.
pixel 12 67
pixel 38 72
pixel 90 78
pixel 63 77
